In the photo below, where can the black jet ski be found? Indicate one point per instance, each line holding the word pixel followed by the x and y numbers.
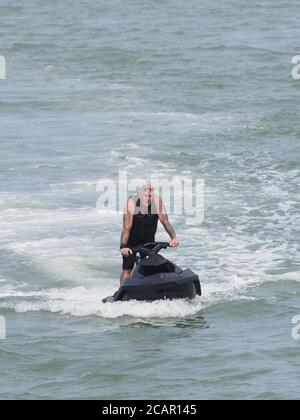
pixel 154 277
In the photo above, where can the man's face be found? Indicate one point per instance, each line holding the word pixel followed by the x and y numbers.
pixel 146 195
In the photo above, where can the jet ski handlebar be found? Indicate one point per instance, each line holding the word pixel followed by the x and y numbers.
pixel 151 248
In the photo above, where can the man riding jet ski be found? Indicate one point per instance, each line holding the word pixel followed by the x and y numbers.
pixel 155 277
pixel 141 215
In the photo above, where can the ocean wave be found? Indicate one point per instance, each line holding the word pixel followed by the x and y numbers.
pixel 47 166
pixel 211 121
pixel 82 302
pixel 84 184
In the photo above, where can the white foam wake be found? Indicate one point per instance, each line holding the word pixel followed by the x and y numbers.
pixel 87 301
pixel 81 301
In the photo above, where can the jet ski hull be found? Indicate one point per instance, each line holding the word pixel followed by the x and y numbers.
pixel 154 278
pixel 184 285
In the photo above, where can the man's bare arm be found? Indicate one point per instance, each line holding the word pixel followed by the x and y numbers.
pixel 168 226
pixel 164 219
pixel 127 221
pixel 127 224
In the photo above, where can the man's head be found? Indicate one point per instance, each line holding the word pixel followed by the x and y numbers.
pixel 146 193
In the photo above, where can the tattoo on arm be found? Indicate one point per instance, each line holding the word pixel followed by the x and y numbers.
pixel 127 224
pixel 169 228
pixel 125 236
pixel 164 218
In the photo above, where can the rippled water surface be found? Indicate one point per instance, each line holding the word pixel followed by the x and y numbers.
pixel 202 89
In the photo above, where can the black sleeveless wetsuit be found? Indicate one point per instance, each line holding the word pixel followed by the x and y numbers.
pixel 143 230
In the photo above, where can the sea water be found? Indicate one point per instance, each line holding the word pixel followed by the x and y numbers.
pixel 199 88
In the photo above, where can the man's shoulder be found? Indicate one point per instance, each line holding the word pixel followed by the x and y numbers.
pixel 130 204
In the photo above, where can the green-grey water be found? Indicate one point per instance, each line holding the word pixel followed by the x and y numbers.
pixel 199 88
